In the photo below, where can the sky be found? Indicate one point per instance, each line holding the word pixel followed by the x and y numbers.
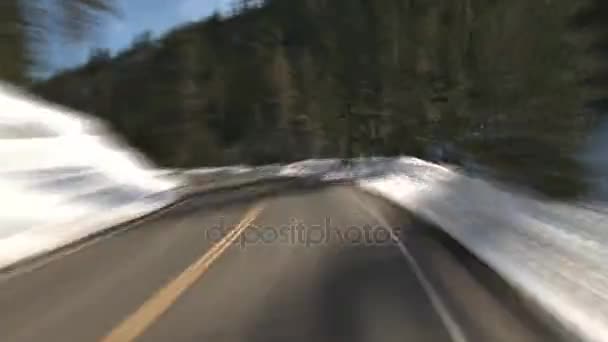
pixel 136 16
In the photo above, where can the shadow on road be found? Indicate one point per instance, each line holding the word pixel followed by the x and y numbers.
pixel 359 294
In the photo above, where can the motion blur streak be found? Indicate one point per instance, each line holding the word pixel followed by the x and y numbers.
pixel 503 220
pixel 64 176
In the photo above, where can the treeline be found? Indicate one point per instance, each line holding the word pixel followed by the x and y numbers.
pixel 506 83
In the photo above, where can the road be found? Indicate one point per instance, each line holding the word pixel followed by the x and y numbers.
pixel 315 263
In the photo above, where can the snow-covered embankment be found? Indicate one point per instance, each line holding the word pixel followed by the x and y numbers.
pixel 64 176
pixel 554 253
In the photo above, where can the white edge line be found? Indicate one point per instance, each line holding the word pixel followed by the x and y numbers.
pixel 454 330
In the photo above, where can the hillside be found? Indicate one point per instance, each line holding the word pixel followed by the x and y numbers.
pixel 501 81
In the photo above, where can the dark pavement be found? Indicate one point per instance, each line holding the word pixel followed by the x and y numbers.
pixel 314 265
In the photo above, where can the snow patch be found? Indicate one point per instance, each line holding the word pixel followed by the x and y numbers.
pixel 65 176
pixel 554 252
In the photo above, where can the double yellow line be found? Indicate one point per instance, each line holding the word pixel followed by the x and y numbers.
pixel 137 323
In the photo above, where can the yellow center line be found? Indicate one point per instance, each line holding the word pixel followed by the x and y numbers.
pixel 137 323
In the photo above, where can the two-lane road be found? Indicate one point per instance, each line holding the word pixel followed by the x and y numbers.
pixel 319 264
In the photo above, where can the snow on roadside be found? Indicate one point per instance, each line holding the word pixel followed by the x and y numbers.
pixel 65 176
pixel 309 167
pixel 203 171
pixel 555 253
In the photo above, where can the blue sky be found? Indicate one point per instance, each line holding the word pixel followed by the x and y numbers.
pixel 137 16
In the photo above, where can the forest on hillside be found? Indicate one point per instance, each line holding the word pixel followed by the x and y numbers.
pixel 513 85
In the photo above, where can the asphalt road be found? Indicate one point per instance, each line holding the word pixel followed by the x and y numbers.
pixel 314 264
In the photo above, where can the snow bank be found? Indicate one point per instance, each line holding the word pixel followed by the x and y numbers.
pixel 238 169
pixel 335 169
pixel 64 176
pixel 555 253
pixel 310 167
